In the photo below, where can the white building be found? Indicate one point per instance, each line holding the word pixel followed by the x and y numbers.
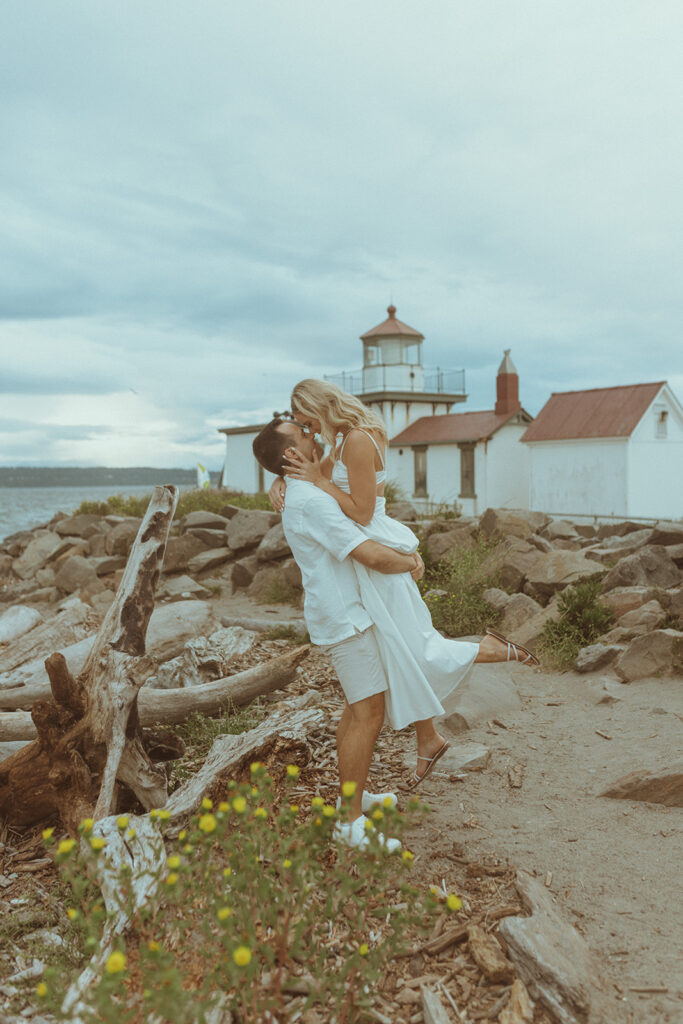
pixel 472 458
pixel 608 451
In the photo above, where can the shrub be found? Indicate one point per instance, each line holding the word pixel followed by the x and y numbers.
pixel 393 492
pixel 582 620
pixel 462 610
pixel 253 889
pixel 277 592
pixel 205 500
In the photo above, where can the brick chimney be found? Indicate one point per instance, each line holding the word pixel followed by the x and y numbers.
pixel 507 387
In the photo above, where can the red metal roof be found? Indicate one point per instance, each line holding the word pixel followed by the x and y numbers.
pixel 391 326
pixel 453 427
pixel 600 412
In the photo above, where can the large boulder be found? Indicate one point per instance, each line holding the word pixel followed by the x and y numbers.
pixel 625 599
pixel 96 548
pixel 76 573
pixel 266 582
pixel 244 570
pixel 595 656
pixel 209 559
pixel 181 588
pixel 557 570
pixel 16 621
pixel 6 562
pixel 501 523
pixel 560 529
pixel 180 551
pixel 488 691
pixel 84 525
pixel 675 553
pixel 108 564
pixel 673 602
pixel 651 566
pixel 496 598
pixel 291 574
pixel 510 562
pixel 655 654
pixel 209 538
pixel 273 545
pixel 403 511
pixel 120 538
pixel 613 548
pixel 644 619
pixel 248 528
pixel 203 520
pixel 530 632
pixel 618 529
pixel 518 610
pixel 43 548
pixel 667 533
pixel 444 546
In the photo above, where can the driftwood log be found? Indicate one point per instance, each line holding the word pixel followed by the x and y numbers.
pixel 167 707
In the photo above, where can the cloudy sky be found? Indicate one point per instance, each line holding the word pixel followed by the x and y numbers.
pixel 204 202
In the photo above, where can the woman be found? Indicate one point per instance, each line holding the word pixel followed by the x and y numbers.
pixel 422 667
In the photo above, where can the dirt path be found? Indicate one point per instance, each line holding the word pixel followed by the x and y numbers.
pixel 616 865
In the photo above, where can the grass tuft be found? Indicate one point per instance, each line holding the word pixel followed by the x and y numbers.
pixel 462 610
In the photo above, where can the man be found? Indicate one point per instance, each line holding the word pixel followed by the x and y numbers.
pixel 322 539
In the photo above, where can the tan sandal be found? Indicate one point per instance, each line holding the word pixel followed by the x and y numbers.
pixel 431 761
pixel 516 649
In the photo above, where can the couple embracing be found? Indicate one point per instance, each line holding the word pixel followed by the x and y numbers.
pixel 359 570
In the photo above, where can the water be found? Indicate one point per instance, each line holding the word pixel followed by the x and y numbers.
pixel 22 508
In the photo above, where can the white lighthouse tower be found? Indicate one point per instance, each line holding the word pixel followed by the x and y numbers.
pixel 393 379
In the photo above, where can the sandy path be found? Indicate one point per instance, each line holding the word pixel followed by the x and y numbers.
pixel 617 866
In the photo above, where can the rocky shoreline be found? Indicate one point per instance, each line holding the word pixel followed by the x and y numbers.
pixel 59 579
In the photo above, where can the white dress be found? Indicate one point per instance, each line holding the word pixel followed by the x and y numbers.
pixel 422 667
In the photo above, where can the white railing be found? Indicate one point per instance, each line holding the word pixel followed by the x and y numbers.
pixel 435 381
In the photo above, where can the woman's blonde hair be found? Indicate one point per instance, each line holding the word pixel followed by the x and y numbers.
pixel 337 411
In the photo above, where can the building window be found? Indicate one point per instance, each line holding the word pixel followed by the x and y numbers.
pixel 660 423
pixel 467 471
pixel 420 465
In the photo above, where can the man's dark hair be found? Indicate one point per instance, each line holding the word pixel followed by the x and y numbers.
pixel 269 446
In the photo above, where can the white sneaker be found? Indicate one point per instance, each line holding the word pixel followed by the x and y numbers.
pixel 355 834
pixel 370 800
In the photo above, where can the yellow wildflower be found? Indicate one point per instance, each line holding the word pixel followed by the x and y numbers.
pixel 172 878
pixel 363 949
pixel 453 902
pixel 182 835
pixel 293 771
pixel 242 956
pixel 329 810
pixel 153 946
pixel 164 814
pixel 239 804
pixel 188 848
pixel 174 861
pixel 87 824
pixel 378 815
pixel 207 823
pixel 97 843
pixel 349 788
pixel 254 790
pixel 115 963
pixel 255 767
pixel 122 821
pixel 223 806
pixel 260 812
pixel 72 914
pixel 47 833
pixel 227 872
pixel 407 855
pixel 66 845
pixel 294 808
pixel 317 801
pixel 286 863
pixel 154 813
pixel 387 802
pixel 224 913
pixel 41 989
pixel 317 821
pixel 207 804
pixel 130 834
pixel 368 825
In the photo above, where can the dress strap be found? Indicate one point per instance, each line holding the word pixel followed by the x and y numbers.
pixel 379 452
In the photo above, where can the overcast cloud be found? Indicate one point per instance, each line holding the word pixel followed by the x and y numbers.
pixel 204 202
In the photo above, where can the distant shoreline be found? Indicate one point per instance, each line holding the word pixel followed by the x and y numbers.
pixel 96 476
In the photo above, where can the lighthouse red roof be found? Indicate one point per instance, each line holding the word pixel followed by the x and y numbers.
pixel 391 327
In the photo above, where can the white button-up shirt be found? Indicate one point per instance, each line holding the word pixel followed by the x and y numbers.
pixel 321 537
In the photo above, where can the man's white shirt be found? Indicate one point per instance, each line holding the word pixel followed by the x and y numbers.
pixel 321 538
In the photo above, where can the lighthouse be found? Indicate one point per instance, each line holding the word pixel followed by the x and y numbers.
pixel 393 379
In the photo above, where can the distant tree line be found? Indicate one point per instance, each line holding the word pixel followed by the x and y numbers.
pixel 96 476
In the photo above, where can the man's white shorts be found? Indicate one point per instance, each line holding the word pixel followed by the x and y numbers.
pixel 358 666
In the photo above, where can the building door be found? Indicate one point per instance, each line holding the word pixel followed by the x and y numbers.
pixel 467 471
pixel 420 469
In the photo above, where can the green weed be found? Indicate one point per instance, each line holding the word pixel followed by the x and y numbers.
pixel 463 610
pixel 277 592
pixel 287 633
pixel 189 501
pixel 583 618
